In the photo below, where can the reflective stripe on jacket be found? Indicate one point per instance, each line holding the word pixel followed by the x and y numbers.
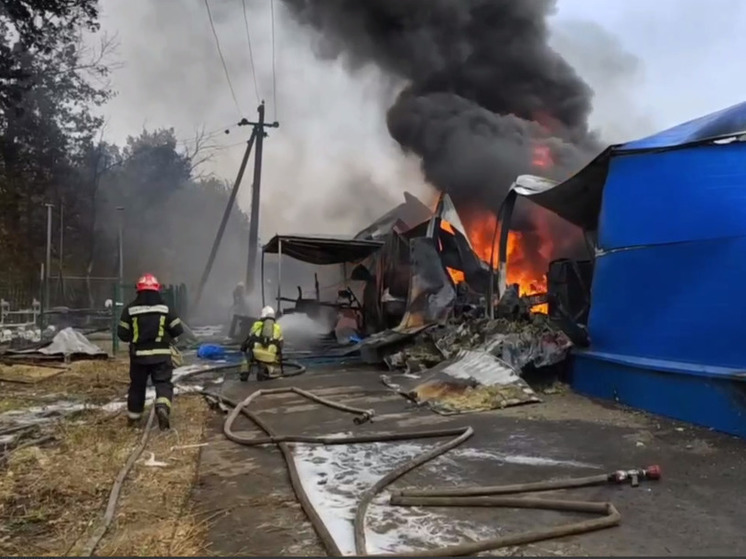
pixel 149 326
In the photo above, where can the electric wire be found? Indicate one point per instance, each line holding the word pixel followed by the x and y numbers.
pixel 251 51
pixel 222 58
pixel 274 71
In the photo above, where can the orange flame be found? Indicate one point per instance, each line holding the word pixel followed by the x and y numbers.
pixel 529 253
pixel 456 275
pixel 527 271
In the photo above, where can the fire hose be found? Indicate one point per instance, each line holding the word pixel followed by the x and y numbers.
pixel 460 497
pixel 86 549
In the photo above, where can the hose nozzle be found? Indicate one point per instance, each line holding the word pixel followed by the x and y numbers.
pixel 634 476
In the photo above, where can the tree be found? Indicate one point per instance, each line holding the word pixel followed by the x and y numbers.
pixel 38 30
pixel 48 85
pixel 170 216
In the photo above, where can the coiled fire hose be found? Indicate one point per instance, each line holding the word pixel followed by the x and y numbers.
pixel 462 497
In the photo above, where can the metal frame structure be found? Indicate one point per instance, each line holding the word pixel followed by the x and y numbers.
pixel 277 245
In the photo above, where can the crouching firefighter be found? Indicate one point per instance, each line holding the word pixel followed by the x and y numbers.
pixel 149 326
pixel 263 347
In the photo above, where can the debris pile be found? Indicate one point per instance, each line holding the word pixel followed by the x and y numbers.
pixel 532 340
pixel 475 364
pixel 67 345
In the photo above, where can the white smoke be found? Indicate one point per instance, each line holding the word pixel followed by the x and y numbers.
pixel 300 330
pixel 613 73
pixel 331 167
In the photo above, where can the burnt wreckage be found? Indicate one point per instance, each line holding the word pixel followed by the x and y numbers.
pixel 419 298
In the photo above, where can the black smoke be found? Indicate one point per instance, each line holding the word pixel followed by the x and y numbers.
pixel 483 85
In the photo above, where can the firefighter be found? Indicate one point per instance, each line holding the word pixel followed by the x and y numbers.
pixel 149 326
pixel 263 345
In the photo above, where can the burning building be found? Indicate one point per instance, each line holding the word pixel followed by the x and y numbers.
pixel 665 219
pixel 480 98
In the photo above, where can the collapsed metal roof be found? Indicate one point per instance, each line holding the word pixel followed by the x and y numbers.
pixel 409 213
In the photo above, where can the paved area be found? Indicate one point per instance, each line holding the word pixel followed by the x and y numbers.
pixel 697 509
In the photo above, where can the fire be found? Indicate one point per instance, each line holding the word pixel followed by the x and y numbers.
pixel 541 157
pixel 523 270
pixel 528 252
pixel 456 275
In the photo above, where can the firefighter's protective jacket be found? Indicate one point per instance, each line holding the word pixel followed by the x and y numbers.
pixel 149 325
pixel 265 339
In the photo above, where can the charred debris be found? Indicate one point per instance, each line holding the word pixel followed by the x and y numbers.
pixel 417 298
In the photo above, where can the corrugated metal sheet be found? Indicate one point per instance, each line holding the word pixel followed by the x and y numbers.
pixel 678 302
pixel 471 381
pixel 721 123
pixel 675 196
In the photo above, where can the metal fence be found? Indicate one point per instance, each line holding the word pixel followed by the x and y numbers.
pixel 80 293
pixel 76 301
pixel 20 304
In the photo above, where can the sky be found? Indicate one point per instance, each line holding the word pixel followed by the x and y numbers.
pixel 652 65
pixel 687 49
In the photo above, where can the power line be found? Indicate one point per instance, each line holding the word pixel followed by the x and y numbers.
pixel 200 136
pixel 274 73
pixel 251 53
pixel 222 59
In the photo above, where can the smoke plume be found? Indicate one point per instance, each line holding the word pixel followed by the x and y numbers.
pixel 467 86
pixel 482 85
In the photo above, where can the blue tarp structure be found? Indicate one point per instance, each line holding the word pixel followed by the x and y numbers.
pixel 667 312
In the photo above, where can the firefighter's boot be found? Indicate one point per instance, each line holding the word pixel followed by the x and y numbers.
pixel 162 412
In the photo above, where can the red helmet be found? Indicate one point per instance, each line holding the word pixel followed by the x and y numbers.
pixel 148 282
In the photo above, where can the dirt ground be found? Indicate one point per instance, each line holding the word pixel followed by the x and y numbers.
pixel 55 478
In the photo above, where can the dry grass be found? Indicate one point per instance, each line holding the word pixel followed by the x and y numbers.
pixel 155 516
pixel 51 496
pixel 94 382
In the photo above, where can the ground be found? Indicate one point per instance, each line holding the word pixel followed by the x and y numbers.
pixel 193 492
pixel 52 492
pixel 694 510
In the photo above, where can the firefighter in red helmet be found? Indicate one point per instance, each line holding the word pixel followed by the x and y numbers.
pixel 149 326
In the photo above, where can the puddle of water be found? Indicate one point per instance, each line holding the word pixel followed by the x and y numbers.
pixel 334 478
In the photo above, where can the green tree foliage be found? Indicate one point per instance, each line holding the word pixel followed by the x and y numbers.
pixel 169 217
pixel 48 88
pixel 51 151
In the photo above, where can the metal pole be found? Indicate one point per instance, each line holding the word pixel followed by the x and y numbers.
pixel 504 219
pixel 224 222
pixel 48 261
pixel 279 276
pixel 255 191
pixel 263 255
pixel 62 236
pixel 43 302
pixel 120 225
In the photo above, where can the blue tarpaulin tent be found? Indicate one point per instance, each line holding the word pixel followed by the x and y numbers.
pixel 667 312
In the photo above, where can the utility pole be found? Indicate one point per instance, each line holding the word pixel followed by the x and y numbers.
pixel 255 196
pixel 224 222
pixel 120 224
pixel 48 263
pixel 62 236
pixel 256 140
